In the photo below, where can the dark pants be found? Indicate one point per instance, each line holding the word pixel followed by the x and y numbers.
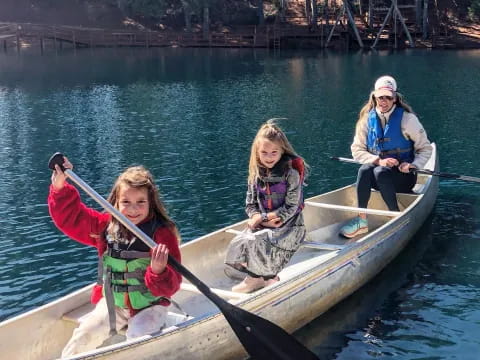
pixel 389 181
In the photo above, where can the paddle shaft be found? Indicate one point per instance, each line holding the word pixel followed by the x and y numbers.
pixel 260 337
pixel 420 171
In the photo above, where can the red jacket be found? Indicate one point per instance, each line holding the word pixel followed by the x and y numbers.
pixel 87 226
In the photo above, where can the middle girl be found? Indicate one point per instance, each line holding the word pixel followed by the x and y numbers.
pixel 274 200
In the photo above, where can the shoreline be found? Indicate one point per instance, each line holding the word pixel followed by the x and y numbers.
pixel 46 37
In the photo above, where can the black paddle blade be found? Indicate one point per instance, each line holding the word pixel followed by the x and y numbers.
pixel 263 339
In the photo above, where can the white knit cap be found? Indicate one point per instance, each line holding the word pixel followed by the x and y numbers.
pixel 385 85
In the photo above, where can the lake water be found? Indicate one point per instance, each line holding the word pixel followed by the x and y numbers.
pixel 190 115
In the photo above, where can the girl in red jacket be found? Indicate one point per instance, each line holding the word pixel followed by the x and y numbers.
pixel 137 281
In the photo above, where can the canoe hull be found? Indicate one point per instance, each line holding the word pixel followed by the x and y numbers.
pixel 309 287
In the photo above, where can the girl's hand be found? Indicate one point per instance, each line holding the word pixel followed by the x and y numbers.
pixel 254 221
pixel 273 223
pixel 159 258
pixel 58 176
pixel 405 167
pixel 388 162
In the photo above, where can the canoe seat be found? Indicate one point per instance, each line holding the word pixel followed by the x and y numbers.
pixel 222 293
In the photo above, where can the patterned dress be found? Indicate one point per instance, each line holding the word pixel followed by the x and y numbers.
pixel 267 254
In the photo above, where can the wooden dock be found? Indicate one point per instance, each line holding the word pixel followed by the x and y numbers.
pixel 338 27
pixel 79 37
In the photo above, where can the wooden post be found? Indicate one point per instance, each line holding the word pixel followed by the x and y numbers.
pixel 337 21
pixel 147 34
pixel 418 13
pixel 405 28
pixel 351 20
pixel 267 37
pixel 390 10
pixel 73 40
pixel 370 13
pixel 321 35
pixel 55 38
pixel 425 19
pixel 41 44
pixel 18 39
pixel 255 36
pixel 206 22
pixel 395 33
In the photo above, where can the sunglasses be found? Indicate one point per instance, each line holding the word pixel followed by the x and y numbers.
pixel 389 98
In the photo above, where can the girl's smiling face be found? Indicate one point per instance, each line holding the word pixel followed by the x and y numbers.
pixel 133 203
pixel 269 153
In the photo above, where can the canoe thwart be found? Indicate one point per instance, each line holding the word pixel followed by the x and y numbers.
pixel 354 209
pixel 77 313
pixel 256 233
pixel 322 246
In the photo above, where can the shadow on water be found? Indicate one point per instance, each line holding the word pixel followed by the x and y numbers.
pixel 328 334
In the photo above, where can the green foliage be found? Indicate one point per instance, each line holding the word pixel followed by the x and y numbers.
pixel 474 10
pixel 151 8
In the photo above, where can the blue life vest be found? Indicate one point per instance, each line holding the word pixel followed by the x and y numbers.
pixel 389 142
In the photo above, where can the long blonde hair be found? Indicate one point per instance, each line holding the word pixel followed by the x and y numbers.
pixel 269 131
pixel 372 103
pixel 139 177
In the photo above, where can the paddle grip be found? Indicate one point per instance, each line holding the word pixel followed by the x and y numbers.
pixel 56 159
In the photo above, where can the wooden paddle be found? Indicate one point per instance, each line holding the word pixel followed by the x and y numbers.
pixel 419 171
pixel 261 338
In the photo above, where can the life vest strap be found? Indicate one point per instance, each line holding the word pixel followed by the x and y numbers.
pixel 112 318
pixel 394 151
pixel 137 274
pixel 127 254
pixel 273 179
pixel 129 288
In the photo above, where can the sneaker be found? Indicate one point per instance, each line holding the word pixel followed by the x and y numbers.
pixel 354 227
pixel 249 284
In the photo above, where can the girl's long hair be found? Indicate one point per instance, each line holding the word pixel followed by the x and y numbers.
pixel 272 132
pixel 372 103
pixel 139 177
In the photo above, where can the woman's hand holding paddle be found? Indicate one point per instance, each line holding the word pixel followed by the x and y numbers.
pixel 405 167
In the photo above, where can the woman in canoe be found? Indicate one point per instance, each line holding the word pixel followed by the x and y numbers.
pixel 389 141
pixel 275 201
pixel 137 297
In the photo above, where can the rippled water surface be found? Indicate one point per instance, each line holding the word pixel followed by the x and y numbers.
pixel 190 116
